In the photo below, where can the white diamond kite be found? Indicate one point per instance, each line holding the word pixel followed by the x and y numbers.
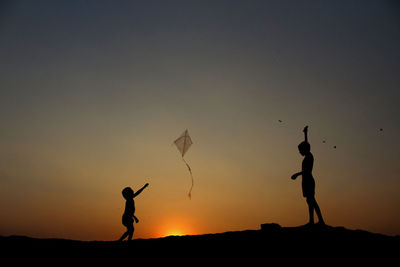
pixel 183 143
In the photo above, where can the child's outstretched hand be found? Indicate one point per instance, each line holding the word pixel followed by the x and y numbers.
pixel 146 185
pixel 294 176
pixel 136 219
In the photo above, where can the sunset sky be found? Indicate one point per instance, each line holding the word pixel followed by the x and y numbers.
pixel 93 94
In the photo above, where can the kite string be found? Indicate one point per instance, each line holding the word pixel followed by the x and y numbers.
pixel 191 176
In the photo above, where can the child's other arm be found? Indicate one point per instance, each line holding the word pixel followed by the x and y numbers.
pixel 294 176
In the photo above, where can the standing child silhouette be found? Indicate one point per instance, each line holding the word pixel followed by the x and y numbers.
pixel 308 183
pixel 129 213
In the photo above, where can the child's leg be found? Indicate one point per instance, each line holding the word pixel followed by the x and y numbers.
pixel 124 236
pixel 319 214
pixel 310 202
pixel 130 231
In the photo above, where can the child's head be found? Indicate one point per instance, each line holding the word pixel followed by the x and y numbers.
pixel 127 193
pixel 304 148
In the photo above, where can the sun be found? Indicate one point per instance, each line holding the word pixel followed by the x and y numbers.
pixel 176 226
pixel 174 232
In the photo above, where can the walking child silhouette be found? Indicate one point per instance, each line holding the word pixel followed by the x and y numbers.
pixel 308 183
pixel 129 213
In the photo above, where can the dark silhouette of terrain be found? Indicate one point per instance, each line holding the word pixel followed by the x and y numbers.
pixel 272 243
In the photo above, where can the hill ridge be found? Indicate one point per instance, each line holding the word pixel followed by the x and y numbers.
pixel 284 243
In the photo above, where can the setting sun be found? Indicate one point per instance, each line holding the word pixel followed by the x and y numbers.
pixel 176 227
pixel 175 232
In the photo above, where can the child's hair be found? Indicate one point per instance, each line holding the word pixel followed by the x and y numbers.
pixel 304 146
pixel 127 192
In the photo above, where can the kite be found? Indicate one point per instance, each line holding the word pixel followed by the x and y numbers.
pixel 183 143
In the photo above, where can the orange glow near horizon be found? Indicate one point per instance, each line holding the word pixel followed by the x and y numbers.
pixel 176 228
pixel 175 232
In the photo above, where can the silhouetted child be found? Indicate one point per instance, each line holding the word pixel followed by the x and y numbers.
pixel 308 183
pixel 129 213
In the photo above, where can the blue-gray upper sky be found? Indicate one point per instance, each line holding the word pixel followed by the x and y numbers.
pixel 340 55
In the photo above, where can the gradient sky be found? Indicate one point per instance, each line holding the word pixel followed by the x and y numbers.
pixel 93 93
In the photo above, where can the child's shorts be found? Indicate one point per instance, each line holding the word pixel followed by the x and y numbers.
pixel 308 186
pixel 127 221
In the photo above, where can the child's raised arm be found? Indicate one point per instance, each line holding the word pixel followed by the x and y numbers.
pixel 140 190
pixel 305 131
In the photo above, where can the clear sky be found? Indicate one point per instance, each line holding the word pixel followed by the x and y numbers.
pixel 93 93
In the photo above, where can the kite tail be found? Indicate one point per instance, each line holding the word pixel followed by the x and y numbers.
pixel 191 176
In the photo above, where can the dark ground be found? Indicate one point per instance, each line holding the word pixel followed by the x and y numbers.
pixel 272 244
